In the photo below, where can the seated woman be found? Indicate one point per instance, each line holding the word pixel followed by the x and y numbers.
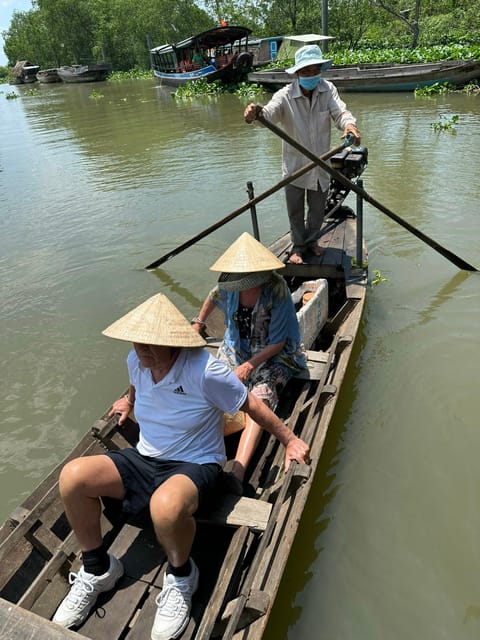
pixel 262 342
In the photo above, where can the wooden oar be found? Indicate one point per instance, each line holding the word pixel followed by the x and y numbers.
pixel 446 253
pixel 246 206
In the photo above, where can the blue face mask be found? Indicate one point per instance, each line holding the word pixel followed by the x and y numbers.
pixel 309 82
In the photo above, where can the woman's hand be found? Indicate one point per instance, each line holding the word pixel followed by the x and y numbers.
pixel 122 407
pixel 244 370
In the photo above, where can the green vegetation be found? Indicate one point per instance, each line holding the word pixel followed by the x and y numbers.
pixel 355 265
pixel 12 95
pixel 471 88
pixel 201 87
pixel 394 55
pixel 439 88
pixel 59 32
pixel 95 95
pixel 4 73
pixel 442 88
pixel 133 74
pixel 248 90
pixel 378 278
pixel 445 124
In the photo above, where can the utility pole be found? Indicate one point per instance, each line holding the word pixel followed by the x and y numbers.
pixel 325 25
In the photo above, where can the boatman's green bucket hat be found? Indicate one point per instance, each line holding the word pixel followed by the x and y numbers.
pixel 307 55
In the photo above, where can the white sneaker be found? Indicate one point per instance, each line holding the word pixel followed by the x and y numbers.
pixel 174 604
pixel 76 605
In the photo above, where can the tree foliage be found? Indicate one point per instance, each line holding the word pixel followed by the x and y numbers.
pixel 402 10
pixel 56 32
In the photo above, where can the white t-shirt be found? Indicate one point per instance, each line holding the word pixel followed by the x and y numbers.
pixel 181 417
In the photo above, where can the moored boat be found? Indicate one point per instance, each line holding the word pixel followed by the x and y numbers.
pixel 264 50
pixel 46 76
pixel 83 73
pixel 221 53
pixel 23 72
pixel 382 77
pixel 243 544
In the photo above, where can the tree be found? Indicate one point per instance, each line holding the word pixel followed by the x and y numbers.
pixel 25 30
pixel 71 27
pixel 349 21
pixel 409 17
pixel 59 32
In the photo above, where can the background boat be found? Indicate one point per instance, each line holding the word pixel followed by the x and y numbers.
pixel 221 53
pixel 264 50
pixel 48 75
pixel 382 77
pixel 83 72
pixel 23 72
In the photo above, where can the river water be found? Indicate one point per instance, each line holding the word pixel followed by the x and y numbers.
pixel 92 189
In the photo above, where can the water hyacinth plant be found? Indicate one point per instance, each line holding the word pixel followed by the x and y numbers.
pixel 445 124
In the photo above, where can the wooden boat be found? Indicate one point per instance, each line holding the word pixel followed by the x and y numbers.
pixel 83 73
pixel 23 72
pixel 383 77
pixel 264 50
pixel 221 53
pixel 48 75
pixel 243 543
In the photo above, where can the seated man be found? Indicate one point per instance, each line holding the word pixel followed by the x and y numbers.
pixel 180 394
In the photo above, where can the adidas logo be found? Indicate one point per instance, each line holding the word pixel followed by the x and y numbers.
pixel 180 391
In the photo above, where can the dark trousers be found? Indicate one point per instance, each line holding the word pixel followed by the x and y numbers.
pixel 304 232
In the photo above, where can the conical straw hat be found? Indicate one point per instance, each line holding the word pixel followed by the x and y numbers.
pixel 247 254
pixel 155 321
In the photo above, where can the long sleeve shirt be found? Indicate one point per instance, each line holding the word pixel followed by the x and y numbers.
pixel 308 120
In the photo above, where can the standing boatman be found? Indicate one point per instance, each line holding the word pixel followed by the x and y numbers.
pixel 305 108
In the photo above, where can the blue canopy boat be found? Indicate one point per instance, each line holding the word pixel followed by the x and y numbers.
pixel 220 53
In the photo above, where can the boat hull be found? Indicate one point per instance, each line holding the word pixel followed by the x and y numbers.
pixel 24 72
pixel 382 77
pixel 83 73
pixel 48 76
pixel 209 73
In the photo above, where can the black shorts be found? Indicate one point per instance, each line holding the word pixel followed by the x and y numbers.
pixel 142 475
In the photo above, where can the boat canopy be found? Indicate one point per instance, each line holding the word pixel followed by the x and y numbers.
pixel 290 44
pixel 308 38
pixel 213 38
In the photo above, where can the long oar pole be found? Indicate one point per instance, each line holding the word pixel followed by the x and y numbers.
pixel 246 206
pixel 446 253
